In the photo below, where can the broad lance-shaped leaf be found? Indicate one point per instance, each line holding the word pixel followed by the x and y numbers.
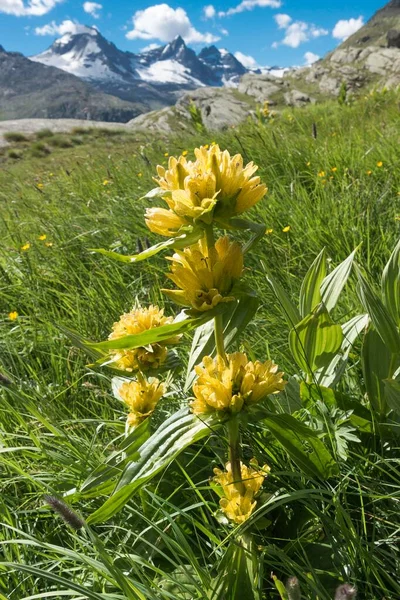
pixel 315 341
pixel 116 461
pixel 258 230
pixel 329 375
pixel 375 360
pixel 391 285
pixel 289 309
pixel 234 320
pixel 181 241
pixel 182 324
pixel 172 437
pixel 380 316
pixel 310 295
pixel 333 284
pixel 392 389
pixel 302 443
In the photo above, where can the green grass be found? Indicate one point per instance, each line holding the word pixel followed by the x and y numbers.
pixel 58 419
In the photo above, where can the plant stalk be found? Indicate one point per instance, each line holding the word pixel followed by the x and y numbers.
pixel 234 454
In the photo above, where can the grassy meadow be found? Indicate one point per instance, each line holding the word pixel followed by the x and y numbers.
pixel 333 182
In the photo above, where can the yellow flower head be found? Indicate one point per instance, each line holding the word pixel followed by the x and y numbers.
pixel 229 386
pixel 25 247
pixel 369 172
pixel 13 315
pixel 237 189
pixel 138 321
pixel 321 174
pixel 141 397
pixel 205 277
pixel 48 244
pixel 334 169
pixel 269 231
pixel 239 506
pixel 40 186
pixel 379 164
pixel 42 237
pixel 106 182
pixel 286 229
pixel 215 183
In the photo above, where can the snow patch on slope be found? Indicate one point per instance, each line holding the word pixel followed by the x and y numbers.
pixel 168 71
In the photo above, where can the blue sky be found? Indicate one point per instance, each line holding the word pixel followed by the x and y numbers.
pixel 266 32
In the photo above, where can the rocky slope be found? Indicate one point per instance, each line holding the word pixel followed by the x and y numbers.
pixel 29 90
pixel 369 58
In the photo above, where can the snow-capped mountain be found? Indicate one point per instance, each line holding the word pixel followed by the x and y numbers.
pixel 155 77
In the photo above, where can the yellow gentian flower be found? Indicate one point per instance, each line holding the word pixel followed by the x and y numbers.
pixel 205 277
pixel 229 386
pixel 141 397
pixel 138 321
pixel 239 506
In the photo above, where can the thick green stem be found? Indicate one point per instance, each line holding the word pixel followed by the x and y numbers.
pixel 209 237
pixel 219 336
pixel 234 454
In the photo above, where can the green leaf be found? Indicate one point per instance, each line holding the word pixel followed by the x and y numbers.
pixel 330 375
pixel 258 230
pixel 234 321
pixel 181 241
pixel 333 284
pixel 290 311
pixel 303 445
pixel 310 294
pixel 392 389
pixel 315 341
pixel 157 192
pixel 112 466
pixel 182 324
pixel 172 437
pixel 238 573
pixel 380 316
pixel 376 360
pixel 391 284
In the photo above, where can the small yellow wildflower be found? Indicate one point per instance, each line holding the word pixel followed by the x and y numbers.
pixel 230 386
pixel 308 164
pixel 321 174
pixel 166 154
pixel 205 277
pixel 140 174
pixel 106 182
pixel 379 164
pixel 286 229
pixel 140 320
pixel 141 398
pixel 206 146
pixel 48 244
pixel 51 174
pixel 369 172
pixel 40 186
pixel 13 315
pixel 269 231
pixel 237 506
pixel 334 169
pixel 186 152
pixel 42 237
pixel 25 247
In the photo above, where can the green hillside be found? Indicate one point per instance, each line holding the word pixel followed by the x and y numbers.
pixel 333 178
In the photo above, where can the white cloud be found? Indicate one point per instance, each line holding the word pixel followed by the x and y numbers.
pixel 224 31
pixel 150 47
pixel 283 20
pixel 66 27
pixel 311 58
pixel 250 5
pixel 247 61
pixel 19 8
pixel 161 22
pixel 92 8
pixel 344 29
pixel 209 11
pixel 297 32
